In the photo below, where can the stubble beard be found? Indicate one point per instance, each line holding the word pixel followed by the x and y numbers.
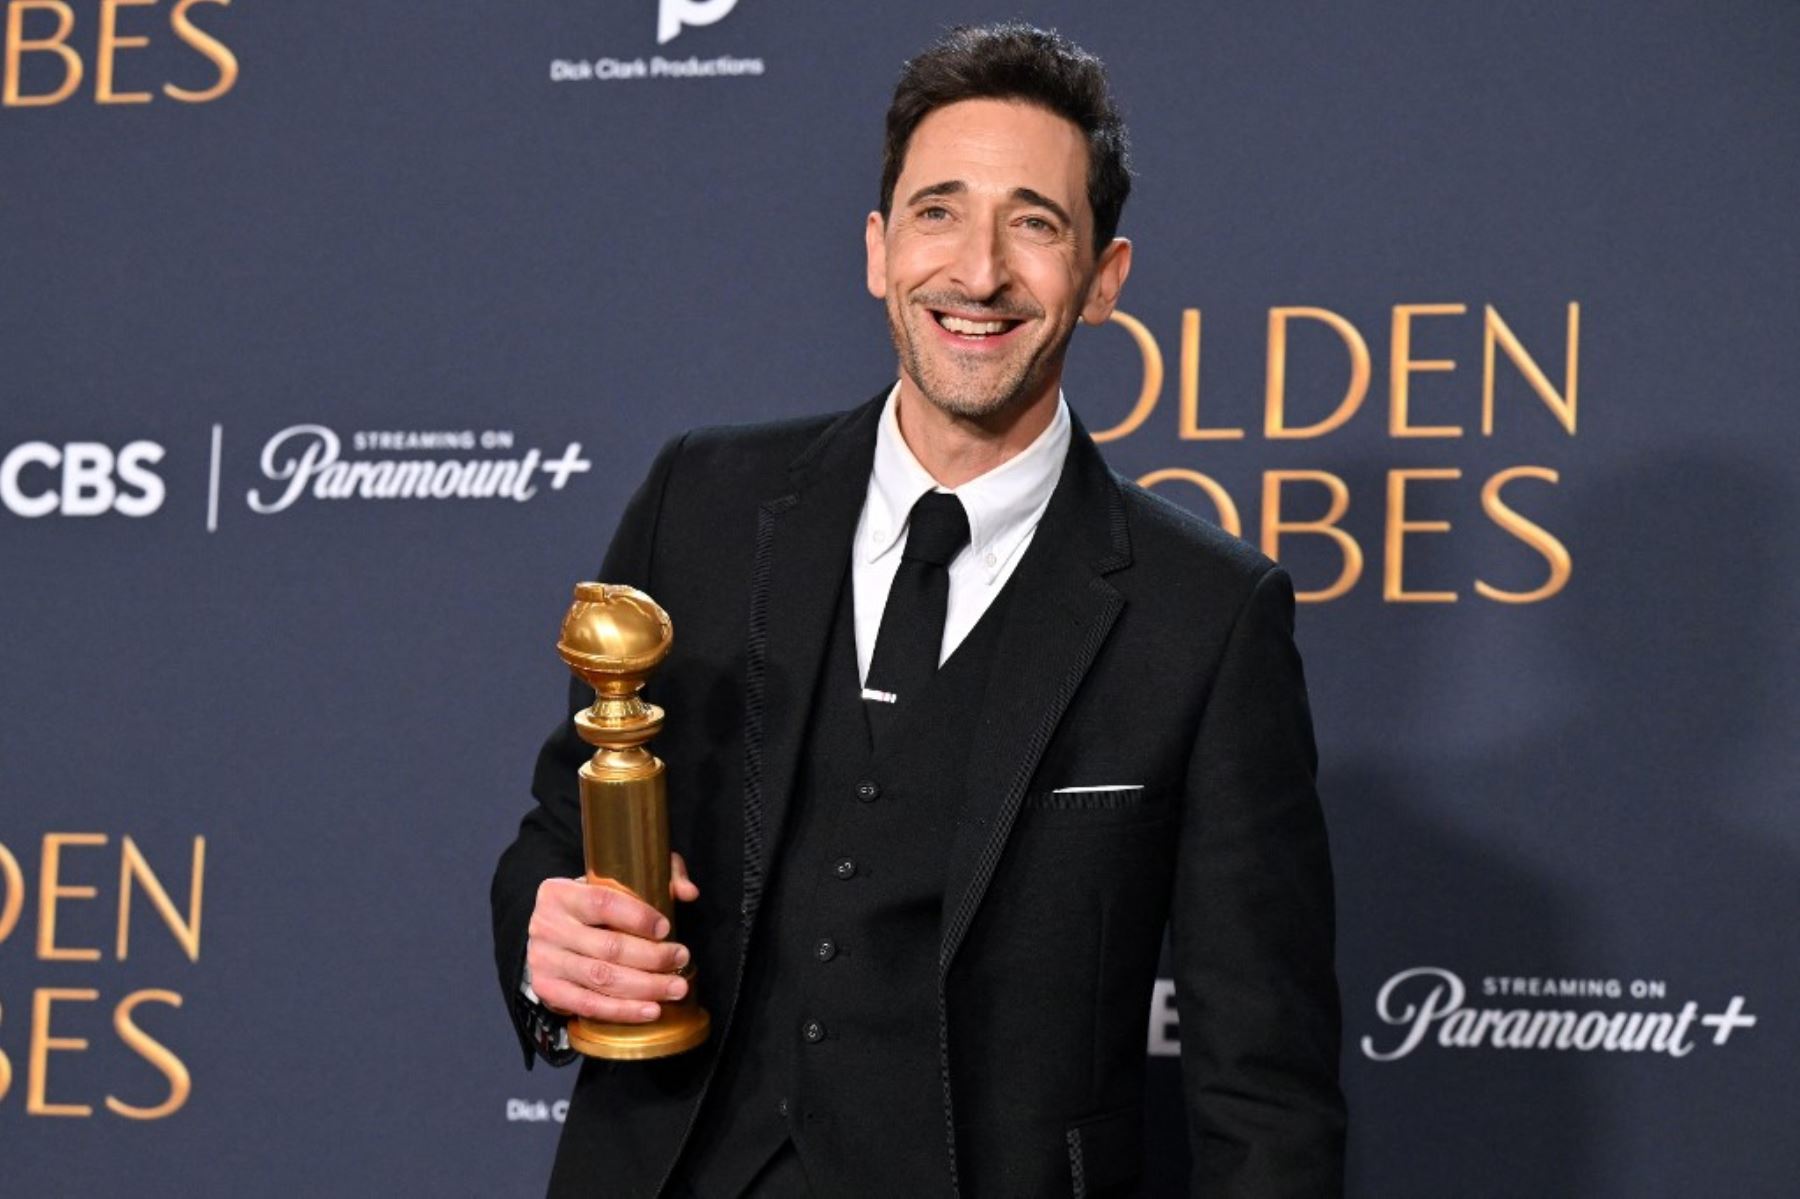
pixel 968 397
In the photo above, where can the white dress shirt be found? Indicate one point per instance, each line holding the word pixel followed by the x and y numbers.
pixel 1004 507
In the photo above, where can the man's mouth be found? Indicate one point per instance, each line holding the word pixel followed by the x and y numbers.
pixel 973 328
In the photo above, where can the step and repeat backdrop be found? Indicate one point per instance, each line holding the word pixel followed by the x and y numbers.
pixel 333 337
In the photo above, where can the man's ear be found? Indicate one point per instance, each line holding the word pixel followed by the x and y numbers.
pixel 875 242
pixel 1109 279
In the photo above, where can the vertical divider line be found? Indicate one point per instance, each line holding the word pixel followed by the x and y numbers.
pixel 212 492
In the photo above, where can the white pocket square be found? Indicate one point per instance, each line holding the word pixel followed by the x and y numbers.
pixel 1101 787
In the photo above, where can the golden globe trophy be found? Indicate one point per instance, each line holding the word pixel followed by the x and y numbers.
pixel 613 637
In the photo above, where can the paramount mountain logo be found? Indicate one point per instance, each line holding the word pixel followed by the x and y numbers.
pixel 1428 1005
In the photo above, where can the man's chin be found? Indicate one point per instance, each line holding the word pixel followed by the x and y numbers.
pixel 983 392
pixel 984 400
pixel 971 404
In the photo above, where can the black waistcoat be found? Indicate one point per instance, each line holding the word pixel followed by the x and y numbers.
pixel 834 1044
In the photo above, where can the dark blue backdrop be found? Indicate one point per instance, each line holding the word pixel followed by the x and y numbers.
pixel 386 220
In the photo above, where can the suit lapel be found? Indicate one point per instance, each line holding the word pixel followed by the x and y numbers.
pixel 802 556
pixel 1060 612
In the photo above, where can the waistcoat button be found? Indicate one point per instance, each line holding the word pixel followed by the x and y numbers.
pixel 814 1032
pixel 868 791
pixel 825 950
pixel 845 868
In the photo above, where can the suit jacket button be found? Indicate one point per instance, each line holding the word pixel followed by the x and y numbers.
pixel 825 950
pixel 868 790
pixel 814 1032
pixel 845 868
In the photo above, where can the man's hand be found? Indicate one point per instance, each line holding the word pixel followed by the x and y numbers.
pixel 597 952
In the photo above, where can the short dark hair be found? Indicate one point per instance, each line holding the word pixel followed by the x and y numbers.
pixel 1015 61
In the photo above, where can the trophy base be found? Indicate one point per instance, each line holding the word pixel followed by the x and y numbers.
pixel 681 1027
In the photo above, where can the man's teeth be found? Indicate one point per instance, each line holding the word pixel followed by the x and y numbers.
pixel 957 324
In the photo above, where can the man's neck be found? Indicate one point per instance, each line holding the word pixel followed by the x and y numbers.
pixel 955 449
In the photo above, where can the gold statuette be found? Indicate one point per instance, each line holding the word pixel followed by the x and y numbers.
pixel 612 638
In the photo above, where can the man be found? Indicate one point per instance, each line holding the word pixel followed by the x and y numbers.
pixel 958 720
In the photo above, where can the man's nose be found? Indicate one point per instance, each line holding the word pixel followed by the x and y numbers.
pixel 980 267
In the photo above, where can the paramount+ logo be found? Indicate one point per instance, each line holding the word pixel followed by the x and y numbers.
pixel 1428 1006
pixel 53 47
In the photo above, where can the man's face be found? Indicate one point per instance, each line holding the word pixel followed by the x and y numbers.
pixel 986 259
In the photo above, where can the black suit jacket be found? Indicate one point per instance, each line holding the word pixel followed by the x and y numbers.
pixel 1143 648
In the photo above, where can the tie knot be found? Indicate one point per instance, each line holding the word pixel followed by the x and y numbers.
pixel 939 528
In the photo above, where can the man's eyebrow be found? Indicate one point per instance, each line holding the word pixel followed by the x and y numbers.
pixel 950 187
pixel 956 187
pixel 1041 200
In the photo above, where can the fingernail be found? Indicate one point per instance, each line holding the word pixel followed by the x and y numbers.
pixel 681 956
pixel 649 1011
pixel 662 929
pixel 676 988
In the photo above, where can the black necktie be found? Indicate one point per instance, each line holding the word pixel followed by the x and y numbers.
pixel 912 622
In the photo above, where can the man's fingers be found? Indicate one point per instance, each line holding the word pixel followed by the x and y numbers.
pixel 680 885
pixel 607 978
pixel 608 907
pixel 598 952
pixel 567 999
pixel 551 929
pixel 610 945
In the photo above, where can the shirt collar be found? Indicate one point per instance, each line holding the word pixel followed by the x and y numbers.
pixel 1004 505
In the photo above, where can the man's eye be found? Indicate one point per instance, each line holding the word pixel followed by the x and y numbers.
pixel 934 213
pixel 1038 224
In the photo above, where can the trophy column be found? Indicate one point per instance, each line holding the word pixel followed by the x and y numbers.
pixel 612 637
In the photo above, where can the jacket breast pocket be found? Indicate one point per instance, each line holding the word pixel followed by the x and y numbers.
pixel 1094 807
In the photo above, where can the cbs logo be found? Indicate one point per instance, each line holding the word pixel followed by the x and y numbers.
pixel 81 478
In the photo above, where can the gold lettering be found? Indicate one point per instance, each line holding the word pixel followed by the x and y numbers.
pixel 1532 534
pixel 15 892
pixel 1404 365
pixel 1228 513
pixel 51 889
pixel 210 47
pixel 17 46
pixel 1393 588
pixel 1562 405
pixel 153 1051
pixel 5 1065
pixel 42 1043
pixel 1275 394
pixel 110 44
pixel 1273 527
pixel 132 865
pixel 1151 391
pixel 1190 384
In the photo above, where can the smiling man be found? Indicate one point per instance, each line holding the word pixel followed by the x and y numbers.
pixel 959 722
pixel 986 265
